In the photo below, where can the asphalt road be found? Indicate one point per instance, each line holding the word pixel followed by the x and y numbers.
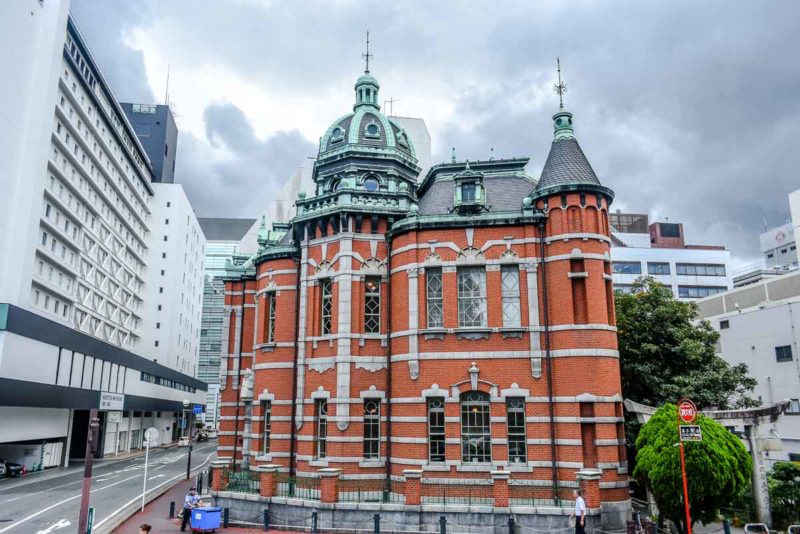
pixel 51 504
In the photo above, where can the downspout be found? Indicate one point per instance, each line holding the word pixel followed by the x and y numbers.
pixel 549 360
pixel 388 491
pixel 292 424
pixel 238 371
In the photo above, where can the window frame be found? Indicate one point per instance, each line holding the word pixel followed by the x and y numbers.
pixel 517 430
pixel 266 418
pixel 476 428
pixel 270 317
pixel 320 429
pixel 372 429
pixel 434 299
pixel 436 430
pixel 697 292
pixel 654 266
pixel 694 269
pixel 618 265
pixel 780 353
pixel 326 306
pixel 510 296
pixel 469 300
pixel 372 302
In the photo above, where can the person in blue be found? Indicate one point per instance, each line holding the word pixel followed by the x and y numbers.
pixel 191 501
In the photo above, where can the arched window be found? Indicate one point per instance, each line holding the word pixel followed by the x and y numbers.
pixel 476 429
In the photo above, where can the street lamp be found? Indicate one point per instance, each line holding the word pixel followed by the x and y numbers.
pixel 186 411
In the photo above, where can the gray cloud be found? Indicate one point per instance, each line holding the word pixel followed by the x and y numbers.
pixel 686 109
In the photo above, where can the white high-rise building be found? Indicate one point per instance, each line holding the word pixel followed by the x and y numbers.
pixel 174 293
pixel 79 221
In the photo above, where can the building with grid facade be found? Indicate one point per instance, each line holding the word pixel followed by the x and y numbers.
pixel 417 343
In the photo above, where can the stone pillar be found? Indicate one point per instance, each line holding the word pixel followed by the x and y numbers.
pixel 267 478
pixel 329 484
pixel 413 490
pixel 219 470
pixel 589 482
pixel 500 488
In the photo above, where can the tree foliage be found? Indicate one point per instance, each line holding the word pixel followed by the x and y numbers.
pixel 784 494
pixel 717 468
pixel 665 353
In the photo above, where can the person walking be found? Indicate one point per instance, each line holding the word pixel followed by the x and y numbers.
pixel 191 501
pixel 580 512
pixel 144 528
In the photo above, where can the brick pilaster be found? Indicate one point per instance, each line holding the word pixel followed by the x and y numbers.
pixel 329 484
pixel 413 489
pixel 500 488
pixel 589 482
pixel 267 477
pixel 219 477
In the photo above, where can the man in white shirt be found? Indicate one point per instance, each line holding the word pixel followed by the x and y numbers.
pixel 580 512
pixel 191 501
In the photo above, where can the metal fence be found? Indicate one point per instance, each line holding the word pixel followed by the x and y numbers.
pixel 369 491
pixel 243 482
pixel 457 494
pixel 298 487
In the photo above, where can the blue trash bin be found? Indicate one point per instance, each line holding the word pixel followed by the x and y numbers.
pixel 206 518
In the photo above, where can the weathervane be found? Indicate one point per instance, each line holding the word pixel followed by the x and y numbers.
pixel 560 87
pixel 367 56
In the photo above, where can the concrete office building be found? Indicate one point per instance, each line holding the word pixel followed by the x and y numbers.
pixel 157 132
pixel 659 250
pixel 757 326
pixel 76 220
pixel 223 240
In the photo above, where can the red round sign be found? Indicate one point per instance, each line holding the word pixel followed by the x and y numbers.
pixel 687 411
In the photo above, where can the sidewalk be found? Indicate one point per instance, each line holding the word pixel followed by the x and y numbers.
pixel 156 514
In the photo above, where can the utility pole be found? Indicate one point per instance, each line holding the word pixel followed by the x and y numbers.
pixel 91 448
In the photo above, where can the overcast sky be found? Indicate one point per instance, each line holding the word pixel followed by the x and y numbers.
pixel 688 110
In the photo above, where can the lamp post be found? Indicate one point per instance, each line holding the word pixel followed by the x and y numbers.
pixel 186 412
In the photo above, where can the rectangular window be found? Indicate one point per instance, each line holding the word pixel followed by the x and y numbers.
pixel 700 269
pixel 510 285
pixel 326 305
pixel 517 439
pixel 372 304
pixel 433 288
pixel 794 406
pixel 783 353
pixel 321 430
pixel 696 292
pixel 436 429
pixel 468 193
pixel 266 409
pixel 657 268
pixel 270 323
pixel 476 434
pixel 372 429
pixel 627 267
pixel 471 297
pixel 724 325
pixel 670 229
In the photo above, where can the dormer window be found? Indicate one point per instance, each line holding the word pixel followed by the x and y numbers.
pixel 337 135
pixel 372 130
pixel 470 193
pixel 402 139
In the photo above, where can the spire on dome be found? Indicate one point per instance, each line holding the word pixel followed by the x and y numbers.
pixel 367 86
pixel 367 56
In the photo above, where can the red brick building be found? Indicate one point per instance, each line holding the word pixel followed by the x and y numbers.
pixel 420 340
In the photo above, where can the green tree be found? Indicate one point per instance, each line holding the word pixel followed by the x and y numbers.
pixel 665 353
pixel 784 494
pixel 717 468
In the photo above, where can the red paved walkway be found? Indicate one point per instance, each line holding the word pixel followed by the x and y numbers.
pixel 156 515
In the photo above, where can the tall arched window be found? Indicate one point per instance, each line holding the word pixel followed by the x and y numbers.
pixel 476 429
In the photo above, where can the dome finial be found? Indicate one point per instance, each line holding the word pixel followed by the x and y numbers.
pixel 367 56
pixel 560 87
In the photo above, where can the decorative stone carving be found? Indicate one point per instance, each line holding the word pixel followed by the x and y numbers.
pixel 413 369
pixel 246 393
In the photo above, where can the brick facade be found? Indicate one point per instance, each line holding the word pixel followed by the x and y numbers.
pixel 557 353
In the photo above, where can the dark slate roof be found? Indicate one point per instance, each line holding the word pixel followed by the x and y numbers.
pixel 566 165
pixel 503 193
pixel 222 229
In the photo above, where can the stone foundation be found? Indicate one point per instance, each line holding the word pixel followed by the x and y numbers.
pixel 289 514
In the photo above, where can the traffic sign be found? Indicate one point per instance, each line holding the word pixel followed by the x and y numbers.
pixel 691 433
pixel 687 411
pixel 197 408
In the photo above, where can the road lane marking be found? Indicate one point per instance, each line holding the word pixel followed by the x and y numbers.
pixel 139 497
pixel 63 502
pixel 43 491
pixel 157 476
pixel 55 526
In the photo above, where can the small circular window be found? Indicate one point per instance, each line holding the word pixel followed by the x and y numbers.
pixel 371 184
pixel 338 134
pixel 373 129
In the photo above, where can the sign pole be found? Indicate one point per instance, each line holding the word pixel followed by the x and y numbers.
pixel 144 479
pixel 687 412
